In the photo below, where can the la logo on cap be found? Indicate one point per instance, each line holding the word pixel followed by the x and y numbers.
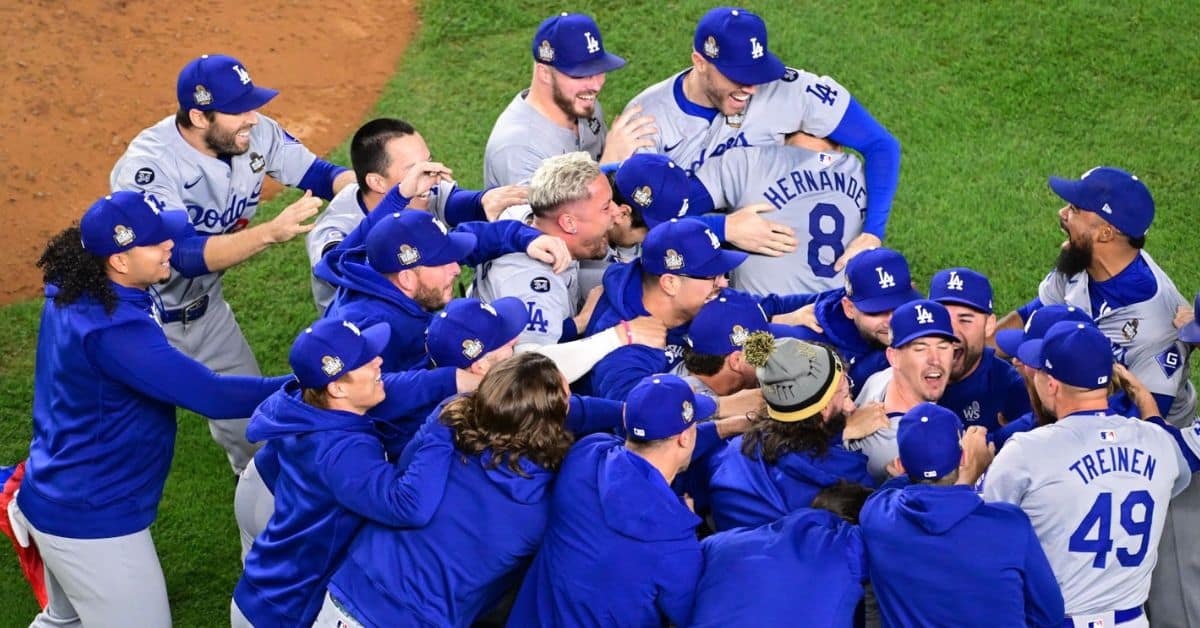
pixel 352 327
pixel 712 239
pixel 711 49
pixel 243 75
pixel 123 235
pixel 682 209
pixel 673 260
pixel 886 280
pixel 643 196
pixel 408 255
pixel 331 365
pixel 955 282
pixel 756 49
pixel 593 46
pixel 924 317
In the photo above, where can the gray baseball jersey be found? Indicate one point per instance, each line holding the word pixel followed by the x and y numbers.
pixel 522 138
pixel 875 388
pixel 1143 335
pixel 692 135
pixel 822 196
pixel 880 448
pixel 340 217
pixel 1096 488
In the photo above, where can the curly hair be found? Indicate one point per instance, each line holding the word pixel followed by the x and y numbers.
pixel 519 411
pixel 74 271
pixel 777 438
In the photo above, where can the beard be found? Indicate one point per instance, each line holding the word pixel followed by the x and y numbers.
pixel 834 425
pixel 430 299
pixel 224 142
pixel 567 105
pixel 1074 259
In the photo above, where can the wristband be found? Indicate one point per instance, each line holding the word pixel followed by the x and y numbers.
pixel 628 333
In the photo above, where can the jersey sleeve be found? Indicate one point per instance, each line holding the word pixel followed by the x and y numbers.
pixel 331 227
pixel 287 159
pixel 146 174
pixel 810 103
pixel 511 164
pixel 1162 373
pixel 1053 289
pixel 1007 479
pixel 726 182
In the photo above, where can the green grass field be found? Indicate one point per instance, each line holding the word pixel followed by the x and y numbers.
pixel 987 99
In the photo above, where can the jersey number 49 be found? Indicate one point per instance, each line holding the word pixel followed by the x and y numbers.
pixel 1135 521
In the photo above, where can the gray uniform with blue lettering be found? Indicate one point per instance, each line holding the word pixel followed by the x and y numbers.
pixel 220 198
pixel 1096 488
pixel 522 137
pixel 822 196
pixel 801 101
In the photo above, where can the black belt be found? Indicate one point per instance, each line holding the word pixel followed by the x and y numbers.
pixel 188 313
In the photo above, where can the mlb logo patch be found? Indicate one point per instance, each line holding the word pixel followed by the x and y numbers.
pixel 1108 435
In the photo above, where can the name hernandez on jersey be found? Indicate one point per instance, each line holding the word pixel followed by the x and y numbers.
pixel 821 195
pixel 692 135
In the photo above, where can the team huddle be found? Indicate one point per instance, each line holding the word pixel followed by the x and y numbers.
pixel 687 384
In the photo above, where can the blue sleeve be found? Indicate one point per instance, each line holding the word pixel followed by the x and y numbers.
pixel 188 255
pixel 320 175
pixel 1016 396
pixel 465 206
pixel 1164 403
pixel 497 238
pixel 708 441
pixel 363 481
pixel 775 304
pixel 570 331
pixel 1027 310
pixel 409 391
pixel 266 462
pixel 699 200
pixel 677 576
pixel 587 415
pixel 138 356
pixel 618 372
pixel 392 202
pixel 1192 460
pixel 716 223
pixel 881 156
pixel 1023 423
pixel 1043 598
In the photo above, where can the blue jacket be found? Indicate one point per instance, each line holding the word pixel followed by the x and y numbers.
pixel 104 415
pixel 472 551
pixel 992 389
pixel 333 476
pixel 806 569
pixel 619 371
pixel 863 358
pixel 748 492
pixel 940 556
pixel 365 297
pixel 620 550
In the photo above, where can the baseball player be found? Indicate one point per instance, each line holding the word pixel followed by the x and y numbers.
pixel 737 94
pixel 210 158
pixel 1095 485
pixel 560 111
pixel 938 554
pixel 382 152
pixel 714 360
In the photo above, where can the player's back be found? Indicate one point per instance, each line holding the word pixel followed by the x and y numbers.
pixel 1096 488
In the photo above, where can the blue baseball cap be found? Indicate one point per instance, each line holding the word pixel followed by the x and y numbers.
pixel 1074 353
pixel 919 319
pixel 735 40
pixel 724 324
pixel 331 348
pixel 1190 333
pixel 1118 197
pixel 687 247
pixel 877 280
pixel 219 83
pixel 469 329
pixel 1010 340
pixel 929 439
pixel 962 286
pixel 412 238
pixel 122 220
pixel 664 405
pixel 571 44
pixel 655 186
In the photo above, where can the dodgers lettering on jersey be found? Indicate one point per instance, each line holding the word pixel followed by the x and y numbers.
pixel 219 196
pixel 522 137
pixel 1096 488
pixel 822 196
pixel 693 136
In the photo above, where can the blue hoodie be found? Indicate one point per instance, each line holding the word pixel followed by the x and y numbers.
pixel 365 297
pixel 748 492
pixel 941 556
pixel 620 550
pixel 462 562
pixel 333 476
pixel 806 569
pixel 619 371
pixel 105 390
pixel 863 358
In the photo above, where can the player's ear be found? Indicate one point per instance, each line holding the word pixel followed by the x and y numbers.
pixel 377 183
pixel 848 307
pixel 567 223
pixel 899 466
pixel 199 120
pixel 891 356
pixel 119 263
pixel 406 280
pixel 989 325
pixel 334 389
pixel 669 284
pixel 699 62
pixel 542 73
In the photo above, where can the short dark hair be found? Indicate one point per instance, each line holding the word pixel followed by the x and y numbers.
pixel 636 219
pixel 702 363
pixel 315 397
pixel 844 499
pixel 368 146
pixel 184 119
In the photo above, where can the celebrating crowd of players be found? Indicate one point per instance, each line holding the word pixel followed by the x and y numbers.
pixel 688 384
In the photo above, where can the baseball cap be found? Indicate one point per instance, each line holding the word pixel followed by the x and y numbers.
pixel 408 239
pixel 219 83
pixel 725 323
pixel 664 405
pixel 1117 196
pixel 571 44
pixel 1190 333
pixel 469 329
pixel 735 40
pixel 919 319
pixel 929 439
pixel 799 379
pixel 877 280
pixel 122 220
pixel 1010 340
pixel 1074 353
pixel 962 286
pixel 687 247
pixel 655 186
pixel 331 348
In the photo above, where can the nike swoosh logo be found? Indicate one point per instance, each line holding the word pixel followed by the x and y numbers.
pixel 188 186
pixel 667 149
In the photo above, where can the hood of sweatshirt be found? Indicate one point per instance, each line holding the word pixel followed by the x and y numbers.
pixel 285 414
pixel 349 269
pixel 936 509
pixel 523 490
pixel 840 330
pixel 636 500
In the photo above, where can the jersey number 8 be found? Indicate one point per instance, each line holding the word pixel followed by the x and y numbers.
pixel 827 214
pixel 1101 515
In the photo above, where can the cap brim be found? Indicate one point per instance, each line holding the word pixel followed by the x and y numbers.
pixel 1030 353
pixel 916 335
pixel 175 224
pixel 1068 190
pixel 723 262
pixel 605 63
pixel 514 316
pixel 376 337
pixel 1190 333
pixel 1009 340
pixel 765 70
pixel 886 302
pixel 961 301
pixel 705 406
pixel 251 100
pixel 456 250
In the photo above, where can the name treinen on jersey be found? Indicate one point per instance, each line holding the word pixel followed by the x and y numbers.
pixel 1112 460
